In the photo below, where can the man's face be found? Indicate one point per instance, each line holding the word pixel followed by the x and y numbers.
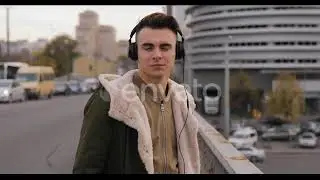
pixel 156 51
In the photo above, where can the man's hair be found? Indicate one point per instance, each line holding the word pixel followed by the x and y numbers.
pixel 158 21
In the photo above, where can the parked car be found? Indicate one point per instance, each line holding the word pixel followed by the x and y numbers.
pixel 308 139
pixel 310 126
pixel 61 88
pixel 253 154
pixel 11 91
pixel 284 132
pixel 92 83
pixel 244 137
pixel 85 87
pixel 75 87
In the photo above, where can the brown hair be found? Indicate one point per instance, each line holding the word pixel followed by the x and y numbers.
pixel 158 21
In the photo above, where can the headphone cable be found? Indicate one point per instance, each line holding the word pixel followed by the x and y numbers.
pixel 185 122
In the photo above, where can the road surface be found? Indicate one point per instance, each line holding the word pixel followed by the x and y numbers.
pixel 40 136
pixel 300 163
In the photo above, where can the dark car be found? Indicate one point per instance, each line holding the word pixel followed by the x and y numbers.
pixel 61 88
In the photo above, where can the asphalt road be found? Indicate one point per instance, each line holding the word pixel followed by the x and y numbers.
pixel 300 163
pixel 40 136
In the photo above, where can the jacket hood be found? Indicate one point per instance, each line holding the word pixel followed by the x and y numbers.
pixel 125 106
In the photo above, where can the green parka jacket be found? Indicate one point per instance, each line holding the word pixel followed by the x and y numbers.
pixel 115 136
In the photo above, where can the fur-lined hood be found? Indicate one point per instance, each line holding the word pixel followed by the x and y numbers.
pixel 126 107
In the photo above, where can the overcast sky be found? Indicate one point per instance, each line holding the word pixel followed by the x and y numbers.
pixel 33 22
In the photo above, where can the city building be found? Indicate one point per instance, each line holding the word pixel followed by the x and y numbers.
pixel 19 46
pixel 95 40
pixel 178 12
pixel 261 40
pixel 96 43
pixel 122 48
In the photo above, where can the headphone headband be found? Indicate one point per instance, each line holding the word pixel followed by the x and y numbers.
pixel 133 48
pixel 134 30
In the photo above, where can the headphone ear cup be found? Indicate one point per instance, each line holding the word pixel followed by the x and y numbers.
pixel 179 50
pixel 132 51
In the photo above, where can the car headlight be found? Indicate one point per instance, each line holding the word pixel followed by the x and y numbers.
pixel 6 92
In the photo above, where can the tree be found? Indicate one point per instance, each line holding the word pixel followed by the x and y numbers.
pixel 286 100
pixel 39 59
pixel 243 96
pixel 122 57
pixel 63 49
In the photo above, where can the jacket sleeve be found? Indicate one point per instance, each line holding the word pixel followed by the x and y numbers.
pixel 95 135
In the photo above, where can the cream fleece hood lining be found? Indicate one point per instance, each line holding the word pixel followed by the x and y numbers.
pixel 125 106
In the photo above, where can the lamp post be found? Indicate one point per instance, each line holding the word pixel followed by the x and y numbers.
pixel 8 29
pixel 227 90
pixel 69 61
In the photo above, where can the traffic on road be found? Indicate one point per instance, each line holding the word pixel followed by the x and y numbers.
pixel 277 146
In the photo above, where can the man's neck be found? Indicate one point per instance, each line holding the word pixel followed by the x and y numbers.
pixel 163 81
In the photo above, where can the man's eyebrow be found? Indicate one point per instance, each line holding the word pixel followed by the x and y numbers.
pixel 147 44
pixel 161 45
pixel 165 44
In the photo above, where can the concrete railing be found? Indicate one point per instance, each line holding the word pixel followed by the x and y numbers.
pixel 218 156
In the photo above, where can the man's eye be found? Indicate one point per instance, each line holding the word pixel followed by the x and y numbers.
pixel 148 48
pixel 165 48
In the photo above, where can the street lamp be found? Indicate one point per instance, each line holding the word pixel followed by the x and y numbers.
pixel 69 61
pixel 8 29
pixel 227 90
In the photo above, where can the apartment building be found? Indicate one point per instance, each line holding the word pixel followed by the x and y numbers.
pixel 262 40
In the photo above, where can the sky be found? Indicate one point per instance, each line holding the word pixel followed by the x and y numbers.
pixel 33 22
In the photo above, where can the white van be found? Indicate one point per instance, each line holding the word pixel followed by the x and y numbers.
pixel 245 137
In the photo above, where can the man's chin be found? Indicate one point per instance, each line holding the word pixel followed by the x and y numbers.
pixel 157 74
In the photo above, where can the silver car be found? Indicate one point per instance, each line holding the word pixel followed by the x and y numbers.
pixel 253 154
pixel 308 139
pixel 11 91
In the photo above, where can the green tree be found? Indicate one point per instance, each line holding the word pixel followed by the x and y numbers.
pixel 122 57
pixel 243 96
pixel 63 49
pixel 39 59
pixel 286 100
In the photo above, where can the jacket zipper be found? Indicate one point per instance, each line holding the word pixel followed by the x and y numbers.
pixel 164 139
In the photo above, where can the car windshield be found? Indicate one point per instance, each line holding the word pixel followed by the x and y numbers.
pixel 307 136
pixel 240 136
pixel 27 77
pixel 5 84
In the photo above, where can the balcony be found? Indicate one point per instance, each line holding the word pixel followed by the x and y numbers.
pixel 218 156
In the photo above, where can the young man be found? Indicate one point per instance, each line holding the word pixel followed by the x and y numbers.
pixel 142 122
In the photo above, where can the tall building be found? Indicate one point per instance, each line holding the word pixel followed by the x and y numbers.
pixel 123 46
pixel 95 41
pixel 97 45
pixel 178 12
pixel 259 39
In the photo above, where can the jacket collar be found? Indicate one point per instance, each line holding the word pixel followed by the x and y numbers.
pixel 125 106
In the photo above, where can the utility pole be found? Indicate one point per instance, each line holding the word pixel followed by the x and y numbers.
pixel 8 30
pixel 169 10
pixel 227 91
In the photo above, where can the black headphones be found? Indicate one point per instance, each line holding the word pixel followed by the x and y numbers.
pixel 133 48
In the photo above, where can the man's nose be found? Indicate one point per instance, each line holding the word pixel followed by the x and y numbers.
pixel 157 55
